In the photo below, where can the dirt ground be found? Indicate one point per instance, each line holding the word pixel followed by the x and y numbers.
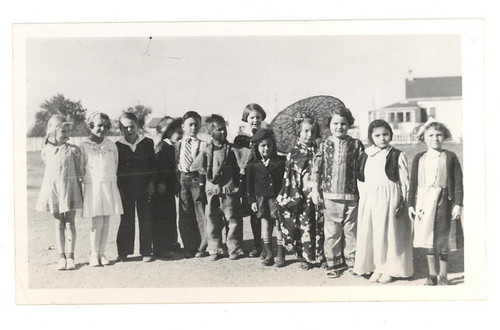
pixel 177 272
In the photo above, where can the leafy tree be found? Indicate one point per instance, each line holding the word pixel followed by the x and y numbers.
pixel 58 104
pixel 142 112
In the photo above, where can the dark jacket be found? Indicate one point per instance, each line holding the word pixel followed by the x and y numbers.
pixel 391 165
pixel 165 165
pixel 265 180
pixel 454 181
pixel 136 169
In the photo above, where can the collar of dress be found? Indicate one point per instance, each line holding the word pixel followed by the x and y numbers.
pixel 125 142
pixel 373 150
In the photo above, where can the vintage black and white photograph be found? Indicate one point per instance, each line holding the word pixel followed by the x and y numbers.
pixel 248 162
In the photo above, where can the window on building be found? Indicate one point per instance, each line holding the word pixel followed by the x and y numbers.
pixel 432 112
pixel 392 117
pixel 408 117
pixel 400 118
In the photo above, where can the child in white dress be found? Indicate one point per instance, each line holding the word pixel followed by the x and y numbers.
pixel 61 190
pixel 384 244
pixel 101 195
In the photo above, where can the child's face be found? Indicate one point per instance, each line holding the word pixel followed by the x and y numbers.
pixel 254 119
pixel 218 132
pixel 339 126
pixel 191 127
pixel 129 129
pixel 61 134
pixel 176 136
pixel 307 133
pixel 434 138
pixel 100 128
pixel 381 137
pixel 265 148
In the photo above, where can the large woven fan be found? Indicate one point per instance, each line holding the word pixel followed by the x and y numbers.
pixel 284 124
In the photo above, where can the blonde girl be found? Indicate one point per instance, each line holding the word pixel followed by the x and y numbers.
pixel 61 193
pixel 101 195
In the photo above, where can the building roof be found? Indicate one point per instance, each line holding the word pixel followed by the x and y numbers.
pixel 154 122
pixel 403 104
pixel 435 87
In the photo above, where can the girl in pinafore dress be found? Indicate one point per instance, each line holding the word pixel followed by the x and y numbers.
pixel 435 200
pixel 61 190
pixel 301 226
pixel 384 244
pixel 101 196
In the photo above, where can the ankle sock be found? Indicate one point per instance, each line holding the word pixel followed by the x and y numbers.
pixel 62 255
pixel 71 256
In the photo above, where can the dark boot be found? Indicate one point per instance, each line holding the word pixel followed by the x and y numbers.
pixel 280 259
pixel 269 260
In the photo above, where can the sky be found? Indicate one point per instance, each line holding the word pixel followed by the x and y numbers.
pixel 172 75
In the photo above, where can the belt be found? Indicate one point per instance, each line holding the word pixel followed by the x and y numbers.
pixel 192 174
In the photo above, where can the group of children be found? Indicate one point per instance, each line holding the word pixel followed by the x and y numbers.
pixel 335 204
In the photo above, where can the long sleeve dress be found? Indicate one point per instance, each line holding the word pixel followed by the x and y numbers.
pixel 301 223
pixel 384 239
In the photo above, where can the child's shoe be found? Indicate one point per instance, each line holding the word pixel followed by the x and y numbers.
pixel 201 254
pixel 70 264
pixel 263 254
pixel 443 280
pixel 103 260
pixel 61 264
pixel 121 258
pixel 215 256
pixel 147 258
pixel 375 277
pixel 238 254
pixel 431 280
pixel 385 279
pixel 269 261
pixel 254 253
pixel 305 265
pixel 280 259
pixel 94 261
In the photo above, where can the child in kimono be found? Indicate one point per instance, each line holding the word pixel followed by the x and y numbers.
pixel 435 200
pixel 302 228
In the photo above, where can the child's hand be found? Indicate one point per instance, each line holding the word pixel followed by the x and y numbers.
pixel 151 189
pixel 456 212
pixel 412 213
pixel 400 207
pixel 254 207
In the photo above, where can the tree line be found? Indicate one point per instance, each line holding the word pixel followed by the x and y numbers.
pixel 76 115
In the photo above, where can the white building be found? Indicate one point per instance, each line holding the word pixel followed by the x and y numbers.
pixel 437 97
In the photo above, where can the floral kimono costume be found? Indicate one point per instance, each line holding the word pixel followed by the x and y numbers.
pixel 301 222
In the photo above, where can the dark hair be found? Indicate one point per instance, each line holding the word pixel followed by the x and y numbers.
pixel 101 115
pixel 129 115
pixel 164 123
pixel 308 119
pixel 242 141
pixel 438 127
pixel 342 112
pixel 174 126
pixel 191 114
pixel 377 123
pixel 252 107
pixel 214 119
pixel 259 136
